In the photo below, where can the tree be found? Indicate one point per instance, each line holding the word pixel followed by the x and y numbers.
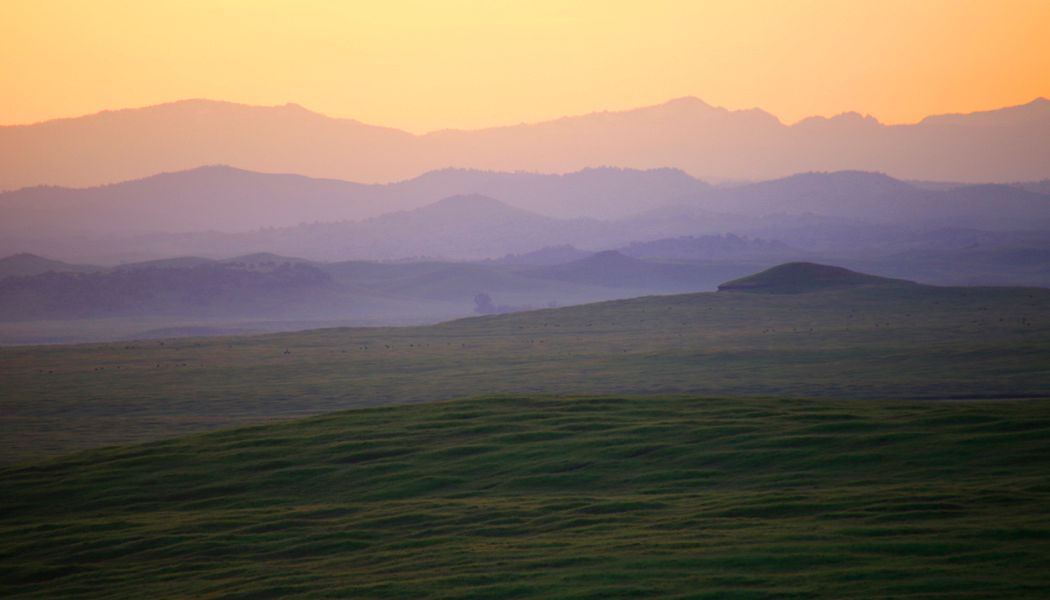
pixel 483 304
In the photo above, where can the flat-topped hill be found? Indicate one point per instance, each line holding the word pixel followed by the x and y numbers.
pixel 801 277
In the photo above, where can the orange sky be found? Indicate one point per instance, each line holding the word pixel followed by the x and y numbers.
pixel 431 65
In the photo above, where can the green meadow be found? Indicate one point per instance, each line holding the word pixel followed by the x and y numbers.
pixel 861 343
pixel 880 441
pixel 524 496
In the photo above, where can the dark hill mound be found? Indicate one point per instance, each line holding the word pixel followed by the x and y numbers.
pixel 801 277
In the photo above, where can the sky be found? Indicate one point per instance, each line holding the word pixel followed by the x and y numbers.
pixel 422 66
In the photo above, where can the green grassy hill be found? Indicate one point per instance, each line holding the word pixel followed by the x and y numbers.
pixel 866 342
pixel 519 497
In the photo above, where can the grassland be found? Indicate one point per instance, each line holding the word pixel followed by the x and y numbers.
pixel 553 497
pixel 881 342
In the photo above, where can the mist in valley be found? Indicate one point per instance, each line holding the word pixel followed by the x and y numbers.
pixel 217 249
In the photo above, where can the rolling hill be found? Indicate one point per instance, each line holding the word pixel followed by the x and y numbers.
pixel 525 496
pixel 232 200
pixel 873 342
pixel 877 198
pixel 1005 145
pixel 24 265
pixel 264 291
pixel 599 455
pixel 195 289
pixel 219 198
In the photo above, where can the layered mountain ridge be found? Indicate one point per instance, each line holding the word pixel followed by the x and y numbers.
pixel 1008 144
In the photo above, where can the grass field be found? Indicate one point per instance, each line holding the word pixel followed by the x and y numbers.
pixel 553 497
pixel 888 342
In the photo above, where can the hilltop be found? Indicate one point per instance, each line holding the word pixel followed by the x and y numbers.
pixel 801 277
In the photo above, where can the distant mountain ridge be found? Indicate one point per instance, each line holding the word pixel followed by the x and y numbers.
pixel 1008 144
pixel 267 286
pixel 223 198
pixel 26 264
pixel 229 200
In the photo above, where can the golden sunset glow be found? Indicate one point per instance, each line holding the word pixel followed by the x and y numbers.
pixel 428 65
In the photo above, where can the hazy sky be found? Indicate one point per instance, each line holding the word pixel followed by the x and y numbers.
pixel 431 65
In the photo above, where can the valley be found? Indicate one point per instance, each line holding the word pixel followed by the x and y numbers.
pixel 525 300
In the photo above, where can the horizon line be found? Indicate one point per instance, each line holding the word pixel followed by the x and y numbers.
pixel 677 100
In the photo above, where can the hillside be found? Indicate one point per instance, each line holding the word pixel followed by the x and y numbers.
pixel 801 277
pixel 708 247
pixel 466 227
pixel 1005 145
pixel 542 497
pixel 221 198
pixel 24 265
pixel 871 342
pixel 546 256
pixel 601 192
pixel 877 198
pixel 268 292
pixel 218 198
pixel 614 269
pixel 1038 187
pixel 185 287
pixel 208 198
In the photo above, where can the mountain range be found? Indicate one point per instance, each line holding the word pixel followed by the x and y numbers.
pixel 220 198
pixel 1004 145
pixel 222 211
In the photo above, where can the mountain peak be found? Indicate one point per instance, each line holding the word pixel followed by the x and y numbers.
pixel 687 101
pixel 470 206
pixel 691 105
pixel 844 180
pixel 846 118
